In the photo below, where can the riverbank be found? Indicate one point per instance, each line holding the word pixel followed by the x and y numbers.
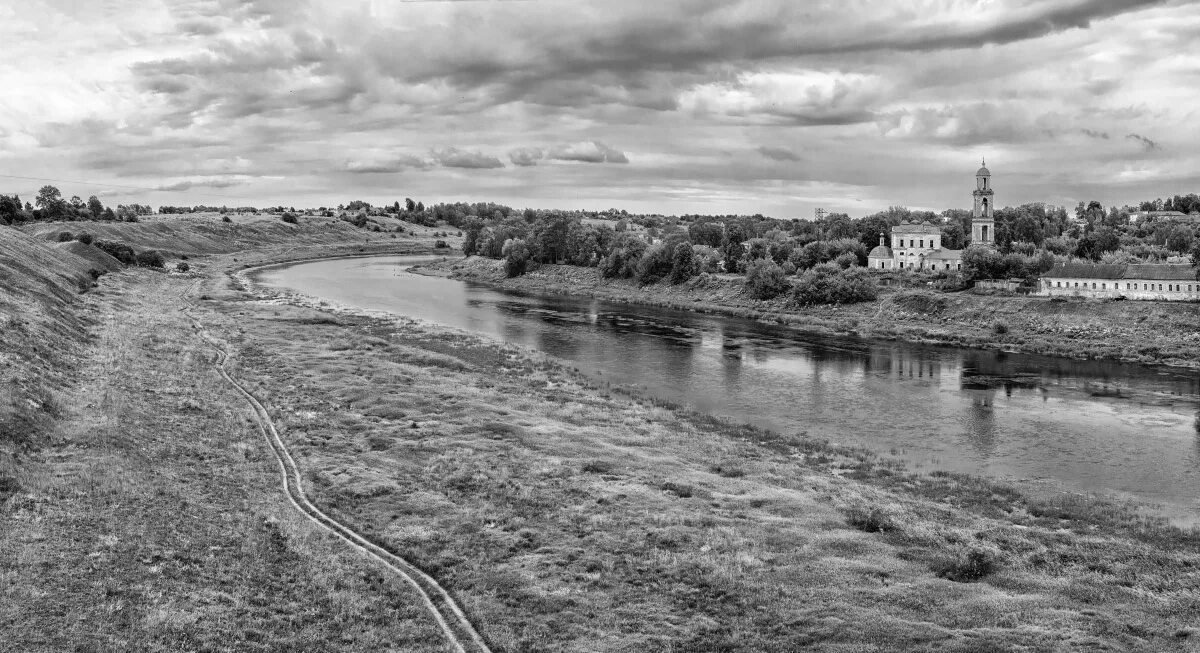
pixel 561 515
pixel 1153 333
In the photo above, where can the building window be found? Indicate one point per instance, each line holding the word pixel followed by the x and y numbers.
pixel 901 263
pixel 1093 285
pixel 1103 286
pixel 1160 286
pixel 922 242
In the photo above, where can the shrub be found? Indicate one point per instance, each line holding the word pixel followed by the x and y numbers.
pixel 441 244
pixel 151 258
pixel 871 521
pixel 290 218
pixel 182 267
pixel 765 279
pixel 967 566
pixel 84 237
pixel 1000 328
pixel 120 251
pixel 95 274
pixel 226 219
pixel 655 264
pixel 65 237
pixel 516 257
pixel 683 265
pixel 621 261
pixel 828 283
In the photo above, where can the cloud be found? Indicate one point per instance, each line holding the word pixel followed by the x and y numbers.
pixel 526 156
pixel 778 153
pixel 185 184
pixel 587 152
pixel 452 157
pixel 805 97
pixel 1095 134
pixel 1146 142
pixel 386 165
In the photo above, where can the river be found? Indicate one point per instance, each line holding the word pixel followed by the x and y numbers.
pixel 1107 428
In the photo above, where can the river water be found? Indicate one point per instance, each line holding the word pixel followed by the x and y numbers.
pixel 1106 428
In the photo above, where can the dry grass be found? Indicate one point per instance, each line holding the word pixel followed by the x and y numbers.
pixel 568 520
pixel 564 517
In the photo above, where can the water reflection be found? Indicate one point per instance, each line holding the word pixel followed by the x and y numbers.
pixel 1093 426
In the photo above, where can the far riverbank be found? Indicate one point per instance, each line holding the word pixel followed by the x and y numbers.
pixel 1152 333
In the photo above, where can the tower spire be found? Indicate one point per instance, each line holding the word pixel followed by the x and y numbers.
pixel 983 161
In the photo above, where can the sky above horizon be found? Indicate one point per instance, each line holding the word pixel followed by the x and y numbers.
pixel 705 106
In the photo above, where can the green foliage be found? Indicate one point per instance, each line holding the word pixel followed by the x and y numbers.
pixel 1095 244
pixel 655 263
pixel 829 283
pixel 84 237
pixel 967 566
pixel 683 263
pixel 873 520
pixel 120 251
pixel 516 257
pixel 290 218
pixel 224 218
pixel 182 267
pixel 822 251
pixel 621 261
pixel 65 237
pixel 150 258
pixel 765 279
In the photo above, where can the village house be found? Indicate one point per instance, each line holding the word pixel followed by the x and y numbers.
pixel 1108 281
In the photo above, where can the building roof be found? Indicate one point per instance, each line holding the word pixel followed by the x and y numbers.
pixel 1161 271
pixel 983 172
pixel 917 228
pixel 880 251
pixel 1155 271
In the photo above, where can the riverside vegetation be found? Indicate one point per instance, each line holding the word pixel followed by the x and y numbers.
pixel 142 511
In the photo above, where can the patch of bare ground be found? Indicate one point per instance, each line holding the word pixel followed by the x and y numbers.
pixel 566 517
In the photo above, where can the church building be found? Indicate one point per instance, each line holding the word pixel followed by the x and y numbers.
pixel 919 244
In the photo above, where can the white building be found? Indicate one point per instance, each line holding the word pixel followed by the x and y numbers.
pixel 1147 281
pixel 919 244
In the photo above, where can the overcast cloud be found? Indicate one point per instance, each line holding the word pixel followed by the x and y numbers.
pixel 713 106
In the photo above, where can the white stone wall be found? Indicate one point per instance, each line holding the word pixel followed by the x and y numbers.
pixel 1128 288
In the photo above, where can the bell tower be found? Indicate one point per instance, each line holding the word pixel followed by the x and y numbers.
pixel 983 226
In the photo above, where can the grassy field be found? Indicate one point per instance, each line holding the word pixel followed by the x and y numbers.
pixel 1160 333
pixel 563 516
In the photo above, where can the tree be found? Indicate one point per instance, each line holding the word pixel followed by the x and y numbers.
pixel 765 279
pixel 409 205
pixel 706 233
pixel 733 249
pixel 683 266
pixel 95 207
pixel 50 201
pixel 516 257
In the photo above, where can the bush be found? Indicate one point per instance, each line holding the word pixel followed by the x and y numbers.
pixel 621 261
pixel 765 279
pixel 871 521
pixel 84 237
pixel 66 237
pixel 516 257
pixel 226 218
pixel 290 218
pixel 120 251
pixel 967 566
pixel 683 265
pixel 95 274
pixel 655 263
pixel 151 258
pixel 829 283
pixel 1000 328
pixel 441 244
pixel 182 267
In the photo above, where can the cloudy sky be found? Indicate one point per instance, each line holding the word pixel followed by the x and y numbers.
pixel 711 106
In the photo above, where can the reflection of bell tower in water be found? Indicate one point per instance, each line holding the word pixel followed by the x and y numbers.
pixel 983 228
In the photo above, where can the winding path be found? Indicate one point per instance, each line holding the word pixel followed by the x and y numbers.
pixel 459 632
